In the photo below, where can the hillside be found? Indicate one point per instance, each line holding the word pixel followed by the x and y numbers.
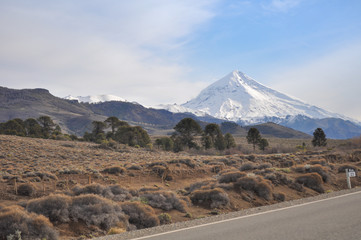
pixel 45 175
pixel 72 116
pixel 75 117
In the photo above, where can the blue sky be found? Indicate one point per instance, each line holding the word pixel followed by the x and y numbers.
pixel 166 51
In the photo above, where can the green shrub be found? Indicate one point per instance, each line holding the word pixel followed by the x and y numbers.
pixel 165 218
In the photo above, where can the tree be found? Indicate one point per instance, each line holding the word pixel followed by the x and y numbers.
pixel 113 122
pixel 165 143
pixel 211 133
pixel 47 125
pixel 319 138
pixel 263 144
pixel 186 130
pixel 253 137
pixel 219 142
pixel 229 141
pixel 98 127
pixel 98 134
pixel 32 128
pixel 13 127
pixel 132 136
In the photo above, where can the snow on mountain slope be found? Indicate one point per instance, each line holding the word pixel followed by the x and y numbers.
pixel 96 98
pixel 237 97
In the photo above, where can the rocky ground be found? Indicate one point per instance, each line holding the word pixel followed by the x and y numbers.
pixel 75 190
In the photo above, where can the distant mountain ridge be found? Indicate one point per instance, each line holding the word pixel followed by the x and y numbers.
pixel 239 98
pixel 75 117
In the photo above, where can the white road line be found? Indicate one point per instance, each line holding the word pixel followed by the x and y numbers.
pixel 246 216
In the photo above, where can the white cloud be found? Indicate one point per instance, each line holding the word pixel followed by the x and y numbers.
pixel 281 5
pixel 125 48
pixel 332 81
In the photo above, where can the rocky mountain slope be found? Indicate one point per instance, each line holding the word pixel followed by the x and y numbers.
pixel 241 99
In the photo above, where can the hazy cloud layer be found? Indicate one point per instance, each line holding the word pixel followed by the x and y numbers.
pixel 126 48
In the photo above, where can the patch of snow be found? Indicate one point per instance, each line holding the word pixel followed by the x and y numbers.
pixel 96 98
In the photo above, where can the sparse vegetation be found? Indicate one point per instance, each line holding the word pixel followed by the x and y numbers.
pixel 82 189
pixel 30 225
pixel 211 198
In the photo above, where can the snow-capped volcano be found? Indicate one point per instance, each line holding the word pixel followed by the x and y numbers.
pixel 237 97
pixel 96 98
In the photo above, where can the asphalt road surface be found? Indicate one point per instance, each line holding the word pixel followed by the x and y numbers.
pixel 337 218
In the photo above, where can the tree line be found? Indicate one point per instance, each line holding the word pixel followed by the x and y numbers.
pixel 41 127
pixel 188 131
pixel 119 131
pixel 188 134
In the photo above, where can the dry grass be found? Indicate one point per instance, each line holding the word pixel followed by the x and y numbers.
pixel 66 175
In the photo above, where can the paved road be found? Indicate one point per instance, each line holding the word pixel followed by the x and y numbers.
pixel 337 218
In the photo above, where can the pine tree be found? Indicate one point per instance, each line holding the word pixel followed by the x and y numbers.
pixel 229 141
pixel 253 137
pixel 319 138
pixel 186 130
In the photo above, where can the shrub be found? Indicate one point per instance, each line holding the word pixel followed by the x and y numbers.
pixel 88 189
pixel 311 180
pixel 281 197
pixel 246 183
pixel 113 192
pixel 261 188
pixel 213 198
pixel 264 166
pixel 278 178
pixel 230 177
pixel 26 189
pixel 165 201
pixel 140 215
pixel 197 185
pixel 135 167
pixel 247 167
pixel 165 218
pixel 95 210
pixel 264 190
pixel 117 193
pixel 342 168
pixel 114 170
pixel 31 225
pixel 54 207
pixel 217 168
pixel 320 170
